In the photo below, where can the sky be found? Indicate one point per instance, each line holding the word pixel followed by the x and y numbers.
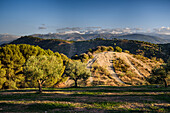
pixel 25 17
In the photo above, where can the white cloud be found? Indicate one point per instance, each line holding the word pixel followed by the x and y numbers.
pixel 162 30
pixel 97 30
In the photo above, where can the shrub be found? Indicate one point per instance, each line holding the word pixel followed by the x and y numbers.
pixel 90 50
pixel 103 48
pixel 126 51
pixel 130 74
pixel 118 49
pixel 110 48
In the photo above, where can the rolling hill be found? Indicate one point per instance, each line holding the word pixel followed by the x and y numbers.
pixel 71 48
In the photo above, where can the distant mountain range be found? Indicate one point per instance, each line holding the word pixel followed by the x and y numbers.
pixel 81 37
pixel 153 38
pixel 6 38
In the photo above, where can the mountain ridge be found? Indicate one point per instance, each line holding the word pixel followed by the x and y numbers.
pixel 82 37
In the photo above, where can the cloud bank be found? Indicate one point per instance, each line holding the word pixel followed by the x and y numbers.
pixel 162 30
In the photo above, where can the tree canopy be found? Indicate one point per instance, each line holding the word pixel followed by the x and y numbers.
pixel 44 70
pixel 161 74
pixel 13 57
pixel 77 70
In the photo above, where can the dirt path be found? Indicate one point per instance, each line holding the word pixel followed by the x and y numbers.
pixel 105 59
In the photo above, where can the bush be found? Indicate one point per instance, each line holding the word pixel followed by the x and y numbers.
pixel 110 48
pixel 103 48
pixel 90 50
pixel 126 51
pixel 130 74
pixel 120 65
pixel 118 49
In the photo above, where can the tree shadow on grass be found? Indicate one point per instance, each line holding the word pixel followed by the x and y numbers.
pixel 80 95
pixel 65 108
pixel 144 88
pixel 84 97
pixel 36 107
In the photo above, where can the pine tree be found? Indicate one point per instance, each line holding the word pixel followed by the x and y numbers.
pixel 12 60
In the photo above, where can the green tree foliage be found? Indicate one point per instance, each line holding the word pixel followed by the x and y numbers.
pixel 2 76
pixel 126 51
pixel 104 48
pixel 64 58
pixel 90 50
pixel 118 49
pixel 77 70
pixel 44 70
pixel 84 57
pixel 161 74
pixel 29 50
pixel 120 65
pixel 110 48
pixel 12 60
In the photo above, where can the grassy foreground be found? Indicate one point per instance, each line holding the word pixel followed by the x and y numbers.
pixel 87 99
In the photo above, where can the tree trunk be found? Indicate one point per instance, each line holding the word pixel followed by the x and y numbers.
pixel 165 83
pixel 75 83
pixel 40 86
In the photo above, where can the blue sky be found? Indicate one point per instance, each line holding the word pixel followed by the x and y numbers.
pixel 24 17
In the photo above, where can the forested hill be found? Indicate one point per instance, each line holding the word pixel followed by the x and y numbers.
pixel 71 48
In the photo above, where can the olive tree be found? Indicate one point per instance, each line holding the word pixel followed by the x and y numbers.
pixel 118 49
pixel 44 70
pixel 77 70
